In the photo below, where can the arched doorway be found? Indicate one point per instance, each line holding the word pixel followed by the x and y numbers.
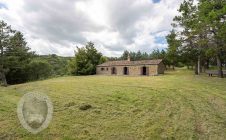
pixel 113 70
pixel 126 71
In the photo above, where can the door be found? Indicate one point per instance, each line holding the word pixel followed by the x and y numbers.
pixel 126 71
pixel 113 70
pixel 144 70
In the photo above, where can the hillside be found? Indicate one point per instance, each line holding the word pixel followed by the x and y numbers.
pixel 177 105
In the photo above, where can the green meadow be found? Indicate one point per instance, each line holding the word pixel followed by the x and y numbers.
pixel 177 105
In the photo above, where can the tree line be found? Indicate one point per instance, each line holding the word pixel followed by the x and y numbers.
pixel 155 54
pixel 18 64
pixel 198 37
pixel 197 40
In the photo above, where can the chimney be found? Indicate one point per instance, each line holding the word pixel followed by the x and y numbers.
pixel 128 58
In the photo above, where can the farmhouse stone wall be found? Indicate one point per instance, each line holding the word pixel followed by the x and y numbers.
pixel 103 70
pixel 153 69
pixel 132 70
pixel 161 68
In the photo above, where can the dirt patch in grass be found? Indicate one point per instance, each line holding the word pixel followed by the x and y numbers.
pixel 85 107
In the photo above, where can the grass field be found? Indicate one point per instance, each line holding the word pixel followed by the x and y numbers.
pixel 177 105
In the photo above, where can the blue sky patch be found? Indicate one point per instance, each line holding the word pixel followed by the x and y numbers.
pixel 3 6
pixel 160 40
pixel 156 1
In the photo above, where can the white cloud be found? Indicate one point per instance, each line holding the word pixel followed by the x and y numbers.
pixel 57 26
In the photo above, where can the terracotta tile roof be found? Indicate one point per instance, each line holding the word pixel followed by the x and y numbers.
pixel 130 63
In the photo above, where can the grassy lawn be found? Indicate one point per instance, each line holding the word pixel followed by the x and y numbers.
pixel 177 105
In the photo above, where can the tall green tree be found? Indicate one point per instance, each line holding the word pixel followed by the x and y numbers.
pixel 187 21
pixel 173 48
pixel 17 56
pixel 155 54
pixel 139 55
pixel 5 34
pixel 203 32
pixel 85 61
pixel 103 59
pixel 212 13
pixel 125 55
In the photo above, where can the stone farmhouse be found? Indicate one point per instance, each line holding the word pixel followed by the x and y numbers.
pixel 132 68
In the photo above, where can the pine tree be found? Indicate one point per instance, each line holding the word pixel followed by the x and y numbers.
pixel 5 33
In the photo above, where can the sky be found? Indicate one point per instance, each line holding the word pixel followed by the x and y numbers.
pixel 58 26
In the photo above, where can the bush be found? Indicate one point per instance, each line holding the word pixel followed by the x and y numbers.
pixel 38 69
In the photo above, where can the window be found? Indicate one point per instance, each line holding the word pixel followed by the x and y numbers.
pixel 107 69
pixel 102 69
